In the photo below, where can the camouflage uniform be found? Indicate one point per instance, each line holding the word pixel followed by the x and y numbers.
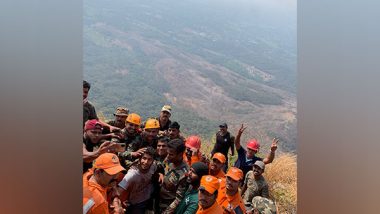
pixel 254 188
pixel 264 205
pixel 173 187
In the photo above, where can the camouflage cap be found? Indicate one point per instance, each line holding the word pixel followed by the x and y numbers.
pixel 121 111
pixel 264 205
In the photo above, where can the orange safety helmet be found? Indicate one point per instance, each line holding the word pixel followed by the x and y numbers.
pixel 152 124
pixel 253 144
pixel 134 119
pixel 193 142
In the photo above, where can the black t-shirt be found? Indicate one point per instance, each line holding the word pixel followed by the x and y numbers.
pixel 90 147
pixel 223 143
pixel 89 112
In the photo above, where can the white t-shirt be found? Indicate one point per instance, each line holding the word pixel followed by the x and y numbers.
pixel 139 185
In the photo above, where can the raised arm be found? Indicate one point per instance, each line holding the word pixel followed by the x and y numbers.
pixel 88 157
pixel 270 156
pixel 237 139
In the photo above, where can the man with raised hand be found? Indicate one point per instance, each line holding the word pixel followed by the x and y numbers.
pixel 246 158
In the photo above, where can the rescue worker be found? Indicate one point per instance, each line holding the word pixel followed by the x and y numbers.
pixel 148 138
pixel 246 158
pixel 189 203
pixel 96 182
pixel 232 201
pixel 193 153
pixel 254 184
pixel 223 142
pixel 207 194
pixel 216 165
pixel 174 181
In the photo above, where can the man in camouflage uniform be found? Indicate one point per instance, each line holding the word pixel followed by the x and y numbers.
pixel 254 184
pixel 262 205
pixel 174 182
pixel 164 118
pixel 121 115
pixel 138 146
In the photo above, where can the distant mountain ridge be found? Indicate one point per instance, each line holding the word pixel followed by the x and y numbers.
pixel 206 76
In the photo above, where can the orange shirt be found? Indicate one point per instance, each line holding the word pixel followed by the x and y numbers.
pixel 194 158
pixel 231 204
pixel 222 189
pixel 214 209
pixel 94 196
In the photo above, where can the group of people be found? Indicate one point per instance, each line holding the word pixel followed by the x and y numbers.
pixel 131 166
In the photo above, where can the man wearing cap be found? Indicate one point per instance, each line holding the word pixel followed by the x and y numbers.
pixel 95 183
pixel 231 201
pixel 246 158
pixel 216 169
pixel 89 112
pixel 254 184
pixel 92 146
pixel 121 115
pixel 216 165
pixel 193 153
pixel 189 203
pixel 174 132
pixel 174 182
pixel 224 141
pixel 137 185
pixel 208 192
pixel 164 117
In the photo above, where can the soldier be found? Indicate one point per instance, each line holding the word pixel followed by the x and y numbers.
pixel 189 203
pixel 174 181
pixel 164 117
pixel 121 115
pixel 96 182
pixel 254 184
pixel 208 192
pixel 137 186
pixel 224 141
pixel 148 138
pixel 246 158
pixel 231 201
pixel 174 132
pixel 262 205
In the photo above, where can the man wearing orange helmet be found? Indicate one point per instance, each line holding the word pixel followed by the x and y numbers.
pixel 246 158
pixel 148 138
pixel 193 153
